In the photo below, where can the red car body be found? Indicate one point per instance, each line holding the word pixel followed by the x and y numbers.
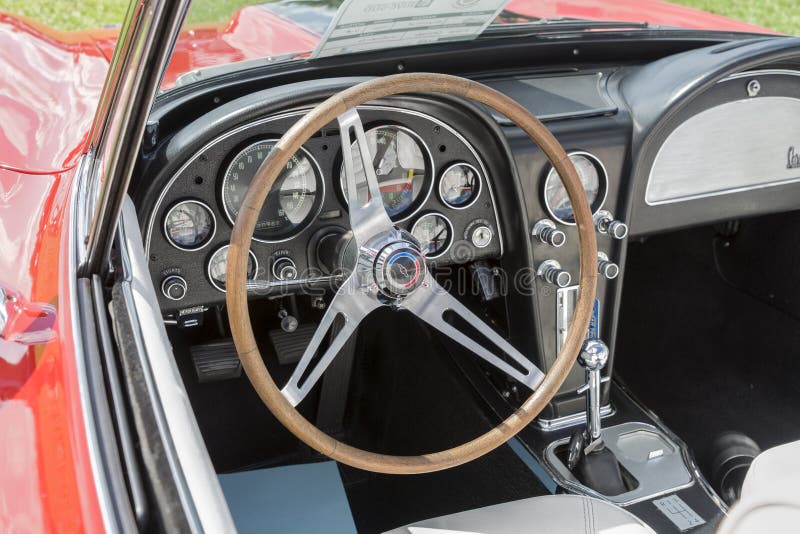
pixel 50 83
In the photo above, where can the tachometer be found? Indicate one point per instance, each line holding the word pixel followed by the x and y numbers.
pixel 459 185
pixel 292 203
pixel 402 166
pixel 595 182
pixel 434 232
pixel 189 225
pixel 218 266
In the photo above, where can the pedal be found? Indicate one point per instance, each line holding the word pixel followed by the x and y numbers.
pixel 290 346
pixel 216 361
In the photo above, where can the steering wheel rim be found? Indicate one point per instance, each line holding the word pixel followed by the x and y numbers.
pixel 241 328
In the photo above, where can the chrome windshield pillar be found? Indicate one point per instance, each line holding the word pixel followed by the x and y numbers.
pixel 143 49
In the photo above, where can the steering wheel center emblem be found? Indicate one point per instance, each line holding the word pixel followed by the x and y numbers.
pixel 399 269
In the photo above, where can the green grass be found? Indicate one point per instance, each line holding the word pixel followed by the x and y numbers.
pixel 780 15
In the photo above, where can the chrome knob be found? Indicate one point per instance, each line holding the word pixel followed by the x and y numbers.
pixel 548 234
pixel 284 268
pixel 593 357
pixel 551 272
pixel 606 224
pixel 174 287
pixel 606 267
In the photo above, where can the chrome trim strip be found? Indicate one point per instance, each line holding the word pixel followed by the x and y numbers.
pixel 197 483
pixel 300 112
pixel 763 72
pixel 549 425
pixel 92 439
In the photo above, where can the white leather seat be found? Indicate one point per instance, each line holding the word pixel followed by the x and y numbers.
pixel 770 499
pixel 552 514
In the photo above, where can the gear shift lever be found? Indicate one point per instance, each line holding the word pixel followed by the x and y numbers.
pixel 594 464
pixel 593 357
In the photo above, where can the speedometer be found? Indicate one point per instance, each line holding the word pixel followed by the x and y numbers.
pixel 403 169
pixel 593 177
pixel 291 204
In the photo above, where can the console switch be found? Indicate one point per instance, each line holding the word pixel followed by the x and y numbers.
pixel 545 230
pixel 551 272
pixel 606 224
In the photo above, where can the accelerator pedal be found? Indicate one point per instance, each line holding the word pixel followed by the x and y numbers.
pixel 289 346
pixel 216 361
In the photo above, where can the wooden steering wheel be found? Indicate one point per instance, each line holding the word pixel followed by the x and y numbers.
pixel 391 271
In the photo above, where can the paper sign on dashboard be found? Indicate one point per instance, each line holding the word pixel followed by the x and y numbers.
pixel 364 25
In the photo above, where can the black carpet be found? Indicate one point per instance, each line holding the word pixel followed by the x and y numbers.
pixel 408 397
pixel 702 354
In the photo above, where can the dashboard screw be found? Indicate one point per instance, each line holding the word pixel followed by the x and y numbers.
pixel 753 88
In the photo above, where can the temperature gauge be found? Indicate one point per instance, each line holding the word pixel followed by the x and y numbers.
pixel 459 185
pixel 434 232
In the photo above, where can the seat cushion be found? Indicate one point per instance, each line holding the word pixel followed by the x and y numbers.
pixel 551 514
pixel 770 499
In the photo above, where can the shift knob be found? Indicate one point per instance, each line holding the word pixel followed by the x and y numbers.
pixel 594 355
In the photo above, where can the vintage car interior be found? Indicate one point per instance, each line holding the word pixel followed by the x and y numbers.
pixel 687 147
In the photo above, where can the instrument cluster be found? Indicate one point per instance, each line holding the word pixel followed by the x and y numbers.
pixel 432 181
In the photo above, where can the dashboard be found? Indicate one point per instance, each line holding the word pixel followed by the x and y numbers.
pixel 433 181
pixel 695 135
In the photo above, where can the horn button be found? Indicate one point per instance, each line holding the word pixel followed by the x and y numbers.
pixel 399 269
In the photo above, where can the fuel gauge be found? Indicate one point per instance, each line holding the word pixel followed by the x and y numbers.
pixel 434 232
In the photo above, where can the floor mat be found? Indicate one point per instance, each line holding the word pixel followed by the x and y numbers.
pixel 701 354
pixel 294 499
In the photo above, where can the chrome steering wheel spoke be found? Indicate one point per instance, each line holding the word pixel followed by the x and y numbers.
pixel 368 218
pixel 390 270
pixel 431 301
pixel 352 304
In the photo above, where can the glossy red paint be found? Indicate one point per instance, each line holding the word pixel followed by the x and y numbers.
pixel 252 32
pixel 50 83
pixel 49 88
pixel 46 482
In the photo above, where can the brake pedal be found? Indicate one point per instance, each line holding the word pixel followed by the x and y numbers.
pixel 290 346
pixel 216 361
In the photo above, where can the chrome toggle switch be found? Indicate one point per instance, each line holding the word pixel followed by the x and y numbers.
pixel 606 224
pixel 605 267
pixel 545 230
pixel 551 272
